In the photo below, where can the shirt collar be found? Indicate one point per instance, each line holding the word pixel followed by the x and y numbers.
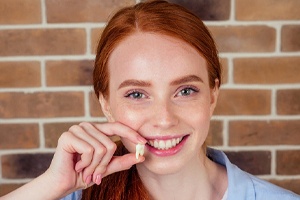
pixel 240 185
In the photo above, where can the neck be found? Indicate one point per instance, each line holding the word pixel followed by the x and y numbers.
pixel 203 179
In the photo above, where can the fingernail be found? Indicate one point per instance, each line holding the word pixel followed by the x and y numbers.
pixel 98 179
pixel 78 170
pixel 141 159
pixel 142 140
pixel 88 179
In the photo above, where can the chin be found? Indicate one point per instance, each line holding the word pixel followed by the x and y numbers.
pixel 160 167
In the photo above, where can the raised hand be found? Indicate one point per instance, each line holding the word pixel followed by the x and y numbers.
pixel 84 155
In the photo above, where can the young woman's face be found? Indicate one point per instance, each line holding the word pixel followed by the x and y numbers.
pixel 159 87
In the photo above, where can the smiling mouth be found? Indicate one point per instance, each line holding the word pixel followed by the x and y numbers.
pixel 165 144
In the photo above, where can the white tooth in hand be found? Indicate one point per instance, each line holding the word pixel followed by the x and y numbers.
pixel 139 150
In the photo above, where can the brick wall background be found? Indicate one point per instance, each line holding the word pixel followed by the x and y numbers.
pixel 46 59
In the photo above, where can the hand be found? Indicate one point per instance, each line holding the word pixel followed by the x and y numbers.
pixel 84 155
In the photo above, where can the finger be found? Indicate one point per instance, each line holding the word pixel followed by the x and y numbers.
pixel 81 184
pixel 102 165
pixel 85 132
pixel 99 166
pixel 121 130
pixel 120 163
pixel 71 144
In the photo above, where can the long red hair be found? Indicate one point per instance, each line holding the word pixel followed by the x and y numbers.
pixel 158 17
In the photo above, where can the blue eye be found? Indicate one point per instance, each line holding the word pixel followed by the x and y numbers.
pixel 187 91
pixel 135 95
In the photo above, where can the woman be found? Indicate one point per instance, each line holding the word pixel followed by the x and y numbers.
pixel 157 76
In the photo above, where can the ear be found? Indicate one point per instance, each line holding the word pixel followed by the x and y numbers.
pixel 214 93
pixel 106 108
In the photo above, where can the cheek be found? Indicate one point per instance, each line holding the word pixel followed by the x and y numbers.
pixel 128 117
pixel 199 118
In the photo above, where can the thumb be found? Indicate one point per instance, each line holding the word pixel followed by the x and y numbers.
pixel 120 163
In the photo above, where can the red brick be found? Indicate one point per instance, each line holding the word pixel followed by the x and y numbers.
pixel 42 42
pixel 267 9
pixel 288 102
pixel 20 74
pixel 69 73
pixel 207 10
pixel 243 102
pixel 82 11
pixel 290 38
pixel 20 12
pixel 272 70
pixel 287 162
pixel 224 64
pixel 16 166
pixel 247 133
pixel 95 37
pixel 95 108
pixel 289 184
pixel 53 131
pixel 244 38
pixel 215 135
pixel 41 104
pixel 19 136
pixel 254 162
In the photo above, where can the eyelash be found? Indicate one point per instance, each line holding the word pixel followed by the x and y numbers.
pixel 141 95
pixel 191 89
pixel 131 93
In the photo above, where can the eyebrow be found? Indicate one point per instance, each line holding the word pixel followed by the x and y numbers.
pixel 133 82
pixel 186 79
pixel 140 83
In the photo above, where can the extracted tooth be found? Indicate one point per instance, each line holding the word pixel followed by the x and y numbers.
pixel 139 150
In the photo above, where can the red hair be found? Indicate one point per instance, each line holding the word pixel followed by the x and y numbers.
pixel 158 17
pixel 124 185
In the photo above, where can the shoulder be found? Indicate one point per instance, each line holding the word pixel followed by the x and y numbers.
pixel 73 196
pixel 266 190
pixel 242 185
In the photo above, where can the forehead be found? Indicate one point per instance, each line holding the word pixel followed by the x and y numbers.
pixel 142 53
pixel 147 41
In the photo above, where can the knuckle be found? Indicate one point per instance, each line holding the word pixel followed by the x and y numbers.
pixel 74 128
pixel 100 151
pixel 84 124
pixel 100 169
pixel 64 136
pixel 112 147
pixel 89 150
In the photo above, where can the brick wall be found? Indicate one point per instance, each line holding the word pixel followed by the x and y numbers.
pixel 46 58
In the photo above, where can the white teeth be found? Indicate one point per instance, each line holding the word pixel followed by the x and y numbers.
pixel 161 145
pixel 165 144
pixel 168 144
pixel 139 150
pixel 173 142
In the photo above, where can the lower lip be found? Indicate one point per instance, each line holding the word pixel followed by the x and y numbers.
pixel 167 152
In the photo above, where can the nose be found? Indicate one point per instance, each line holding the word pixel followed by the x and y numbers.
pixel 164 114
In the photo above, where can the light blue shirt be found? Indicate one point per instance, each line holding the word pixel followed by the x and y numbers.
pixel 241 185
